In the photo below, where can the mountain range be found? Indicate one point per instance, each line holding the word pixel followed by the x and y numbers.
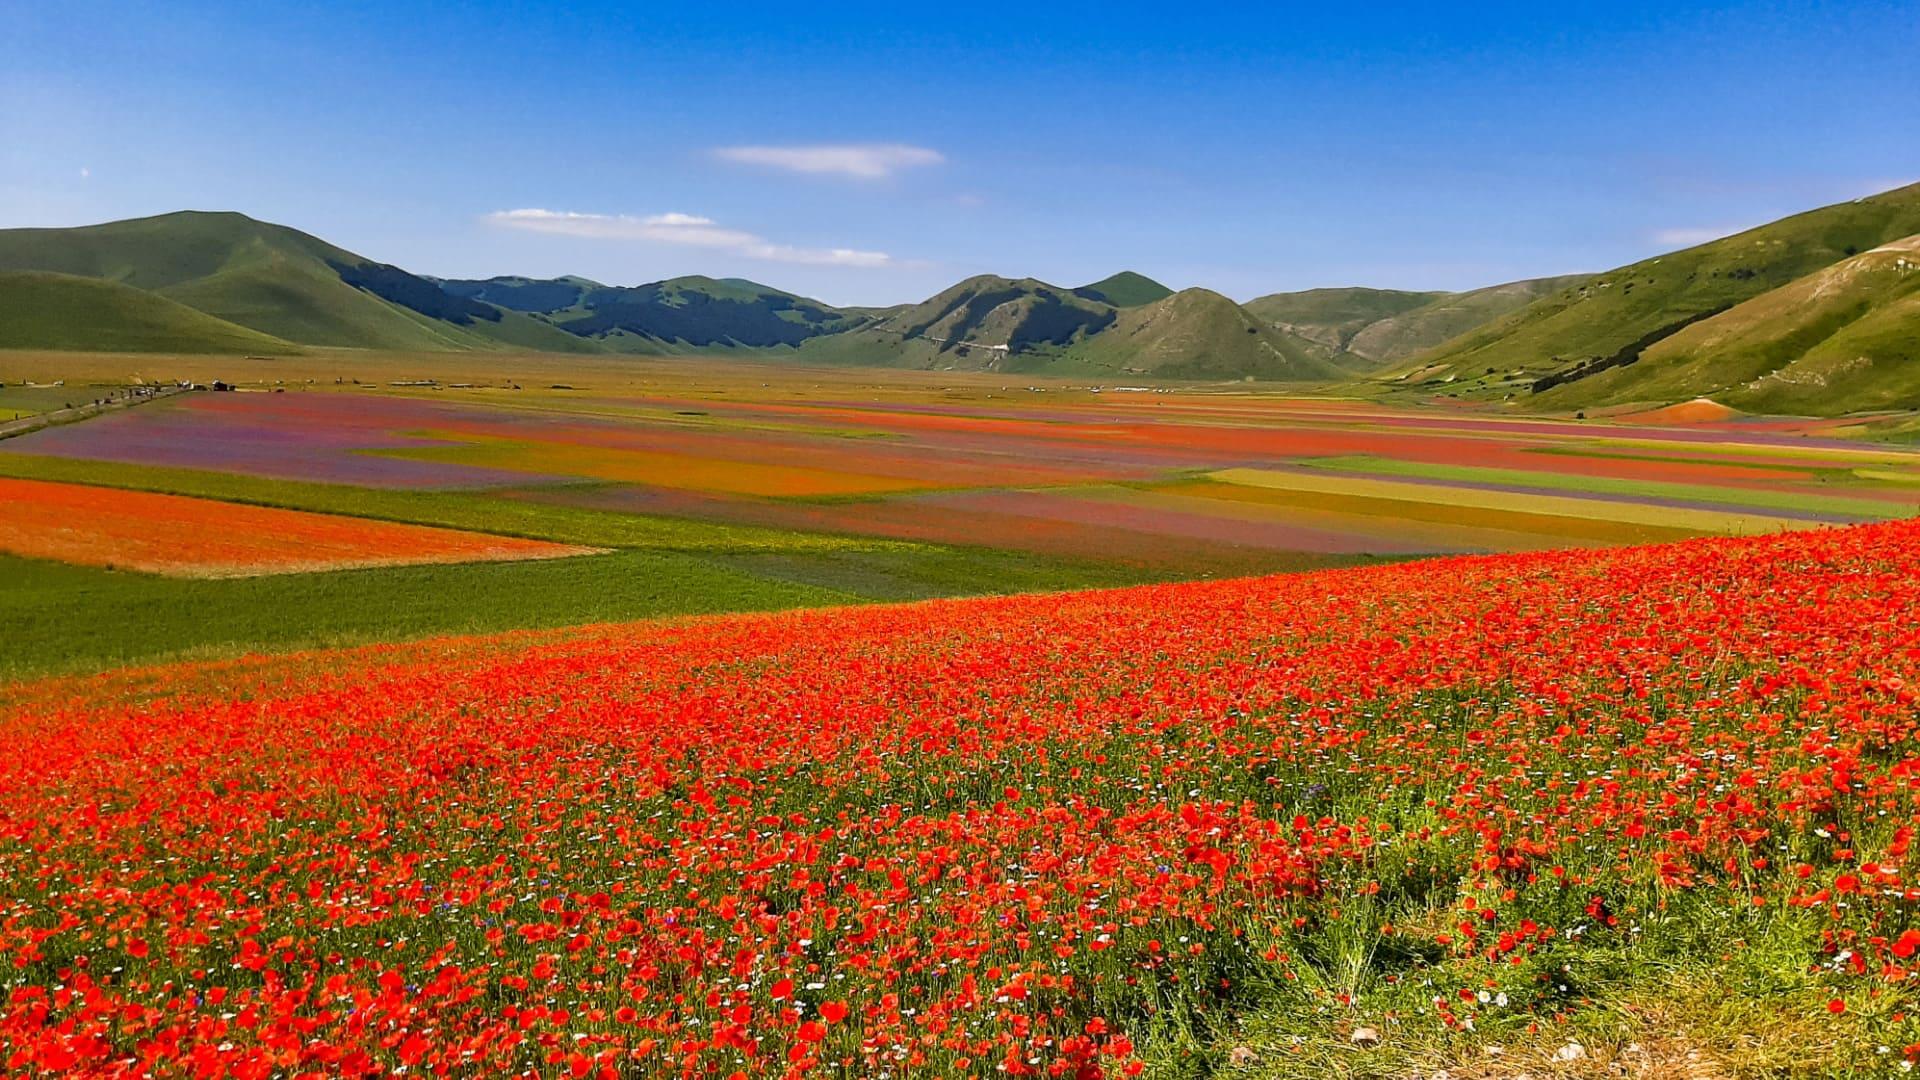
pixel 1815 313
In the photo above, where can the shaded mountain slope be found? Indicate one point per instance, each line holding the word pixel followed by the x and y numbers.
pixel 41 310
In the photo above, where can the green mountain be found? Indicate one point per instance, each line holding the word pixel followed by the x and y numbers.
pixel 40 310
pixel 1845 338
pixel 1371 328
pixel 277 281
pixel 1198 334
pixel 1125 289
pixel 980 323
pixel 1022 325
pixel 1332 317
pixel 676 315
pixel 1397 337
pixel 1612 319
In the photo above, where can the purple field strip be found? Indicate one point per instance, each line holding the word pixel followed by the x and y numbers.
pixel 1782 435
pixel 317 437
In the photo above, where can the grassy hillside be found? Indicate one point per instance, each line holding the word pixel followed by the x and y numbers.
pixel 1449 315
pixel 1196 334
pixel 1366 329
pixel 40 310
pixel 1843 338
pixel 1331 317
pixel 1613 317
pixel 679 314
pixel 1007 324
pixel 979 323
pixel 274 280
pixel 1125 289
pixel 543 295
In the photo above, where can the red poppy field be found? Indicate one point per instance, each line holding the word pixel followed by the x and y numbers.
pixel 1566 812
pixel 168 534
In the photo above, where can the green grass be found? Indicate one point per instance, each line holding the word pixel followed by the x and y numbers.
pixel 58 618
pixel 24 401
pixel 61 618
pixel 59 311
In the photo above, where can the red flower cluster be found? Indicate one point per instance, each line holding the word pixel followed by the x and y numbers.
pixel 957 838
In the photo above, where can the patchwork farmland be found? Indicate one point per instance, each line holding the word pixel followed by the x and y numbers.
pixel 674 488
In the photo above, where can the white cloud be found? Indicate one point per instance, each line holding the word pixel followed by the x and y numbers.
pixel 85 172
pixel 874 161
pixel 689 230
pixel 1689 236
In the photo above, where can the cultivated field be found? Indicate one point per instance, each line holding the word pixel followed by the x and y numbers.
pixel 710 486
pixel 1645 812
pixel 169 534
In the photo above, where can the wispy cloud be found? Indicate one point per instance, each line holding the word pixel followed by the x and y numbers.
pixel 688 230
pixel 1688 236
pixel 874 161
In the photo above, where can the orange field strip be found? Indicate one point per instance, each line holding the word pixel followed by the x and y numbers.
pixel 187 537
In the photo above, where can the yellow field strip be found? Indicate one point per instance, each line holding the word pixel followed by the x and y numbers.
pixel 1835 455
pixel 1670 517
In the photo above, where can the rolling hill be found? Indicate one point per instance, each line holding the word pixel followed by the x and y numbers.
pixel 1844 338
pixel 1814 313
pixel 277 281
pixel 1613 318
pixel 1125 289
pixel 994 323
pixel 1196 334
pixel 676 315
pixel 1372 328
pixel 978 323
pixel 1331 317
pixel 41 310
pixel 1397 337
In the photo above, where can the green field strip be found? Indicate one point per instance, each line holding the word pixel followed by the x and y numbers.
pixel 1886 476
pixel 1688 519
pixel 1759 498
pixel 1839 456
pixel 1784 462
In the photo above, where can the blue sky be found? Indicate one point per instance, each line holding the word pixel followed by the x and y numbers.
pixel 875 154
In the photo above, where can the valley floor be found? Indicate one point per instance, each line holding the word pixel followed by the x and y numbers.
pixel 695 485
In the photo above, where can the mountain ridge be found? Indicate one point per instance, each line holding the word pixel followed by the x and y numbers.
pixel 1813 312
